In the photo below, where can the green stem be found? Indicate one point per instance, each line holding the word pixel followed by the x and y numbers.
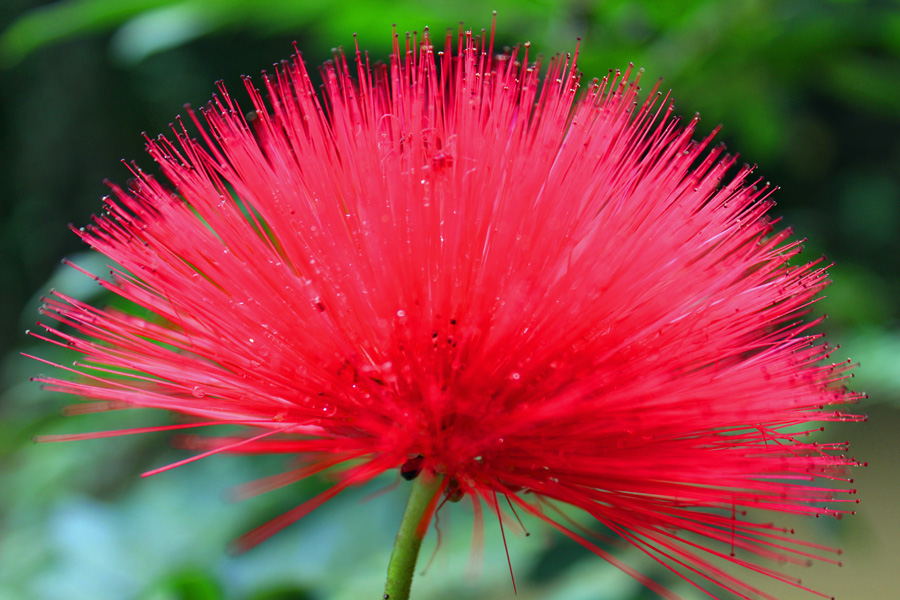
pixel 409 538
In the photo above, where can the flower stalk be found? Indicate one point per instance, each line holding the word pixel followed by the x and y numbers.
pixel 419 507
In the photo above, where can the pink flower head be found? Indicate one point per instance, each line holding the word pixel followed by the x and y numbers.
pixel 539 290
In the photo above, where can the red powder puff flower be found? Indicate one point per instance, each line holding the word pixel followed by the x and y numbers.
pixel 515 288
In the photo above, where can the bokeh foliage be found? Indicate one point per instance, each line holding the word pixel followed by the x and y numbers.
pixel 809 90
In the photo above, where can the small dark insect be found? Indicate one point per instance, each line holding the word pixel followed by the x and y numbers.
pixel 411 468
pixel 453 491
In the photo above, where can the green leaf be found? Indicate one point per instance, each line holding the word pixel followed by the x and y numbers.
pixel 62 20
pixel 191 584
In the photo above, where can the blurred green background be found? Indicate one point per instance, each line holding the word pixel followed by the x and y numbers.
pixel 808 90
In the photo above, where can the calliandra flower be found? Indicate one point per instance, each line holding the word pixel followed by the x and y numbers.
pixel 532 289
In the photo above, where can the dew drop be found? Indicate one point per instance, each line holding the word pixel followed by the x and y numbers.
pixel 401 313
pixel 198 392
